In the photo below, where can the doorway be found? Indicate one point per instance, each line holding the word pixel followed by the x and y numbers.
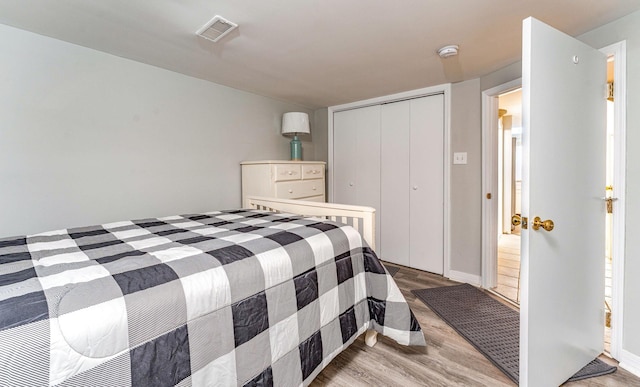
pixel 503 275
pixel 509 193
pixel 509 197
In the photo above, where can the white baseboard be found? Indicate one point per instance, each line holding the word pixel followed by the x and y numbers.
pixel 630 362
pixel 465 277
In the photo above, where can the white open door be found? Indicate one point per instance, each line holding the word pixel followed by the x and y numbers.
pixel 561 315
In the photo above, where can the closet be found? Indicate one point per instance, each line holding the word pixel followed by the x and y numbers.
pixel 391 156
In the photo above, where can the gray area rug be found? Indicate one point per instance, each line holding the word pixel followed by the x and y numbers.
pixel 490 326
pixel 393 270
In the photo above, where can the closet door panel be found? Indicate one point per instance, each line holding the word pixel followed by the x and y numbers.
pixel 345 137
pixel 394 200
pixel 357 159
pixel 367 162
pixel 426 149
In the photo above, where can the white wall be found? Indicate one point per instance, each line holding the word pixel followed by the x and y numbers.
pixel 87 137
pixel 321 134
pixel 466 180
pixel 502 76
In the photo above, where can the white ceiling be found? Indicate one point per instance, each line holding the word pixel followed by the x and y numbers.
pixel 312 52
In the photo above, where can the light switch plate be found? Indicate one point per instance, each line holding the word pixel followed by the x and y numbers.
pixel 460 157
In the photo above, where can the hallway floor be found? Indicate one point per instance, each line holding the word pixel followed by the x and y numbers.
pixel 509 267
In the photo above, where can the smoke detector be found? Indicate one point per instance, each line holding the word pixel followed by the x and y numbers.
pixel 448 51
pixel 216 28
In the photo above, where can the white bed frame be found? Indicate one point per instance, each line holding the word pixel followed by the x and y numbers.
pixel 361 218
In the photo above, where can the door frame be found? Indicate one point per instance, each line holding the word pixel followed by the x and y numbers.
pixel 490 167
pixel 619 51
pixel 444 89
pixel 490 185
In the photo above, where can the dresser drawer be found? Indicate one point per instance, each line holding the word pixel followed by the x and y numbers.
pixel 284 179
pixel 319 199
pixel 284 172
pixel 312 171
pixel 299 189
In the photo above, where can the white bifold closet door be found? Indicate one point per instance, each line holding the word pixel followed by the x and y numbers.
pixel 356 159
pixel 412 183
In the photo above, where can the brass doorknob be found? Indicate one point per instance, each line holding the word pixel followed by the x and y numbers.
pixel 546 224
pixel 516 220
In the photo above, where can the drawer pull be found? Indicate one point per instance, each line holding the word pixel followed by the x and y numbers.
pixel 314 188
pixel 290 191
pixel 290 172
pixel 350 184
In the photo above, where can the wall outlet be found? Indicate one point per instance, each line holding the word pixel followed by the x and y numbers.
pixel 460 157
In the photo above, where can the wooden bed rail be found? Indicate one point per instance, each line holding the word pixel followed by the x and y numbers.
pixel 360 217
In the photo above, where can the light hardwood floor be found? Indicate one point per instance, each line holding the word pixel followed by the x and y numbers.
pixel 509 266
pixel 448 359
pixel 608 301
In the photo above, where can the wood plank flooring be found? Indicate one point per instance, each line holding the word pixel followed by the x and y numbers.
pixel 509 266
pixel 448 359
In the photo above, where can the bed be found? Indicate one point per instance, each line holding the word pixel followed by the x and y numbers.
pixel 256 296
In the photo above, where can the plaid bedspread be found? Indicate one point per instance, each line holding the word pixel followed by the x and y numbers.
pixel 215 299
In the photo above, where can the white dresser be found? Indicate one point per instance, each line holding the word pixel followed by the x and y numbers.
pixel 284 179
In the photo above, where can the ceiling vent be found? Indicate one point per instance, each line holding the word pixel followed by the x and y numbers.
pixel 216 28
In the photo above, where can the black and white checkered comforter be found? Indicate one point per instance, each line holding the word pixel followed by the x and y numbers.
pixel 215 299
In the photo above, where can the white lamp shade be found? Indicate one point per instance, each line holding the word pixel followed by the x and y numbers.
pixel 295 122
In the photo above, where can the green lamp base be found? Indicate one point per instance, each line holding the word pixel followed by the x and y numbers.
pixel 296 149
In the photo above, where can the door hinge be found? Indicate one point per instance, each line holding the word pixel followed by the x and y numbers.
pixel 610 91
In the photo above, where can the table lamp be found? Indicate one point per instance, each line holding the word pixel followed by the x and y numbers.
pixel 295 123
